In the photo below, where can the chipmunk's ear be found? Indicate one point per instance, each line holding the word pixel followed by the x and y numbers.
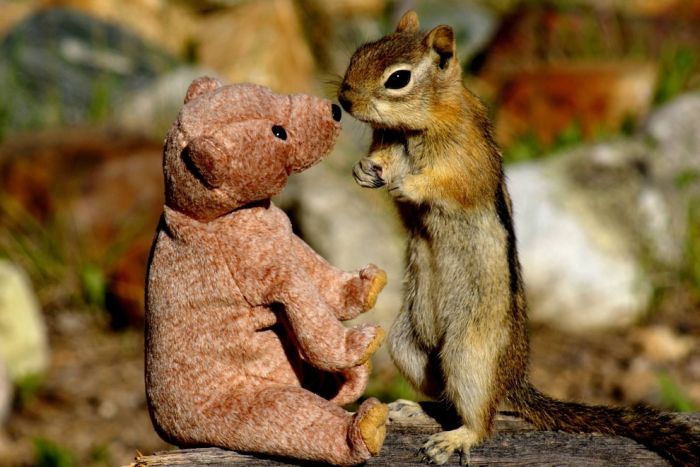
pixel 441 40
pixel 408 22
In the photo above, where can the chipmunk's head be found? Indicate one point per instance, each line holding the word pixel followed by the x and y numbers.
pixel 402 79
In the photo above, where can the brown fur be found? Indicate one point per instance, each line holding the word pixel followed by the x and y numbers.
pixel 462 332
pixel 244 347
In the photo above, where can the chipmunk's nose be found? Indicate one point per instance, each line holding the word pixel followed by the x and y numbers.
pixel 345 102
pixel 335 111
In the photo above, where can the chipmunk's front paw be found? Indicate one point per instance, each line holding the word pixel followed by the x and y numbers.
pixel 375 280
pixel 440 446
pixel 368 173
pixel 402 188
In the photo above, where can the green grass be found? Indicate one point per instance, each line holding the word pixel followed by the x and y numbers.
pixel 692 267
pixel 62 271
pixel 672 396
pixel 48 453
pixel 529 147
pixel 395 388
pixel 677 68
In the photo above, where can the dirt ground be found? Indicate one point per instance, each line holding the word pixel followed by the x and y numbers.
pixel 92 402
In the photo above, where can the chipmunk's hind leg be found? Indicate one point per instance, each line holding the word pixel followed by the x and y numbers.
pixel 469 367
pixel 418 365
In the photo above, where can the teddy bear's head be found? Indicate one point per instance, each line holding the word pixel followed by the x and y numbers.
pixel 236 144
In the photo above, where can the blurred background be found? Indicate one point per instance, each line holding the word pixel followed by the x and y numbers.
pixel 595 104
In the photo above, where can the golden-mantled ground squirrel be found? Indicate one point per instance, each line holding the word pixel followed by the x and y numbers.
pixel 462 333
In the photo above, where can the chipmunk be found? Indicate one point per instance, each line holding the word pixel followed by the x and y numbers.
pixel 461 335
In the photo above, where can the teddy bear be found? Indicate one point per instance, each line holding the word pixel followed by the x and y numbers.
pixel 245 348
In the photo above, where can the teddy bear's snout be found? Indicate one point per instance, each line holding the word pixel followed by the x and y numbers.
pixel 335 111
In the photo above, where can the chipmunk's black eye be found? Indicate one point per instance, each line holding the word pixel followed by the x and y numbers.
pixel 279 132
pixel 398 79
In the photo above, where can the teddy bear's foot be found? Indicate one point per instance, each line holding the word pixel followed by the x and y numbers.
pixel 373 345
pixel 371 422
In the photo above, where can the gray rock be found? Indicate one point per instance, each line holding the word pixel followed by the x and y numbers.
pixel 673 132
pixel 580 263
pixel 59 66
pixel 23 340
pixel 152 109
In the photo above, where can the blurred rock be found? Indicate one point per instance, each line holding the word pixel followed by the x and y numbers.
pixel 60 67
pixel 260 42
pixel 653 8
pixel 599 224
pixel 153 109
pixel 599 97
pixel 580 266
pixel 23 339
pixel 661 344
pixel 163 23
pixel 673 132
pixel 550 68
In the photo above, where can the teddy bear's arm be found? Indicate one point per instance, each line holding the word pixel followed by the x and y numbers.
pixel 324 342
pixel 348 294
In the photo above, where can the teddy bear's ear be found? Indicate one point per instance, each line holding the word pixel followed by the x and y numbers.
pixel 201 85
pixel 206 159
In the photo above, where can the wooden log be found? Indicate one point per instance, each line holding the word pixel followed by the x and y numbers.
pixel 515 442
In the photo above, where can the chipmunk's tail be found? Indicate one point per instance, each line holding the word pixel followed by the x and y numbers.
pixel 675 441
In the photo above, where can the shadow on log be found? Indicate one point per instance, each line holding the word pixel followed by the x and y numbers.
pixel 515 442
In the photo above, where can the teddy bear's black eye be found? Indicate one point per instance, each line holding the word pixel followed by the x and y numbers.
pixel 398 79
pixel 279 132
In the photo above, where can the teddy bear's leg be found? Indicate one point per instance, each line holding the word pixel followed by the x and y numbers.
pixel 293 422
pixel 352 385
pixel 348 294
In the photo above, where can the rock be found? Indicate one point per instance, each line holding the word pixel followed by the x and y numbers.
pixel 61 67
pixel 600 97
pixel 578 271
pixel 661 344
pixel 152 109
pixel 23 339
pixel 673 132
pixel 538 68
pixel 169 25
pixel 260 42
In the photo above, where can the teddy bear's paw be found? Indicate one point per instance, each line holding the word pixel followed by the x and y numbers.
pixel 377 280
pixel 371 421
pixel 369 338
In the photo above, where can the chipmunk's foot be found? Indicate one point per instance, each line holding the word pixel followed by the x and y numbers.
pixel 403 408
pixel 440 446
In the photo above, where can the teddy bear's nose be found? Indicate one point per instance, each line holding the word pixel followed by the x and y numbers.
pixel 335 110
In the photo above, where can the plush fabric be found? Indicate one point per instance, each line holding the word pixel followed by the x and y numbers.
pixel 244 344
